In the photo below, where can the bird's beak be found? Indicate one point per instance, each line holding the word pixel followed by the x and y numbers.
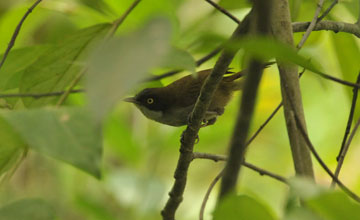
pixel 130 99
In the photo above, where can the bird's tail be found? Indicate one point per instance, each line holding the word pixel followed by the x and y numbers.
pixel 238 84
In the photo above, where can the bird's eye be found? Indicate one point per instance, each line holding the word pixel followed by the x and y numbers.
pixel 150 101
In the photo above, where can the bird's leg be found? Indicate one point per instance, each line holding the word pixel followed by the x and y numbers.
pixel 210 116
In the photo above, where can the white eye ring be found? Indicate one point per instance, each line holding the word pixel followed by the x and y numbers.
pixel 150 101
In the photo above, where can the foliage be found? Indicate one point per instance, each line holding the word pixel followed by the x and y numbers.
pixel 133 159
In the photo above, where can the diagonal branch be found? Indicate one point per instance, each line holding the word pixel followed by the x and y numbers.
pixel 224 11
pixel 16 32
pixel 312 24
pixel 301 127
pixel 196 117
pixel 327 11
pixel 261 171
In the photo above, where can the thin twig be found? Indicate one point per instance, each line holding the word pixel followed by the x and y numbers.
pixel 216 158
pixel 16 32
pixel 326 12
pixel 38 95
pixel 224 11
pixel 343 82
pixel 198 63
pixel 207 194
pixel 120 20
pixel 262 126
pixel 261 171
pixel 312 24
pixel 344 151
pixel 311 147
pixel 110 34
pixel 350 119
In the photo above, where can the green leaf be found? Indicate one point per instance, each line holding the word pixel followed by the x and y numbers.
pixel 57 66
pixel 241 207
pixel 98 5
pixel 29 209
pixel 17 61
pixel 179 59
pixel 334 205
pixel 11 146
pixel 122 62
pixel 266 48
pixel 66 134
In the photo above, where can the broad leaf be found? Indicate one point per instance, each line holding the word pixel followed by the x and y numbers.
pixel 58 66
pixel 66 134
pixel 179 59
pixel 29 209
pixel 265 48
pixel 17 61
pixel 120 64
pixel 241 207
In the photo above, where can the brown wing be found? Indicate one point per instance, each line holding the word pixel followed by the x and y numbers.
pixel 188 88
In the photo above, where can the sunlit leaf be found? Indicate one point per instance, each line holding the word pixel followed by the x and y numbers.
pixel 241 207
pixel 58 66
pixel 66 134
pixel 29 209
pixel 122 62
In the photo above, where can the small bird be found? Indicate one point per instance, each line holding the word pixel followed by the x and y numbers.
pixel 173 104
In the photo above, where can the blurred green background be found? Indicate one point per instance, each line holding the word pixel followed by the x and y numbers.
pixel 140 155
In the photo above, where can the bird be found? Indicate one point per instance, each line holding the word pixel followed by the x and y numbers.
pixel 173 104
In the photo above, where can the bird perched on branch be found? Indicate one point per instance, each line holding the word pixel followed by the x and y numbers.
pixel 173 103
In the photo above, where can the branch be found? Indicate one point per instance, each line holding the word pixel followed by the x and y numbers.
pixel 261 171
pixel 312 24
pixel 110 34
pixel 196 117
pixel 216 158
pixel 38 95
pixel 16 32
pixel 224 11
pixel 120 20
pixel 245 113
pixel 290 90
pixel 329 26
